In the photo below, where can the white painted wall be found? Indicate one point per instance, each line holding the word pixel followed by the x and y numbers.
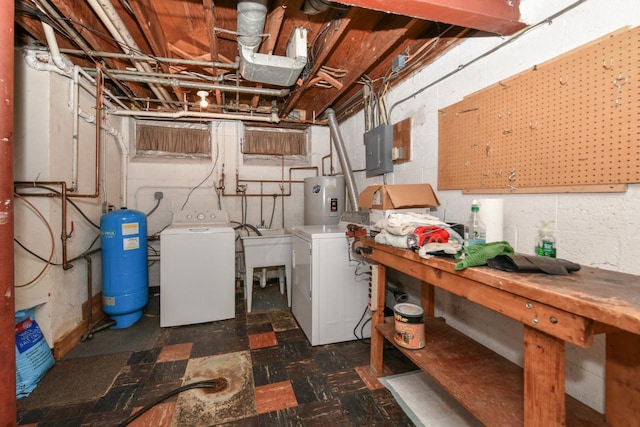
pixel 43 136
pixel 599 230
pixel 43 147
pixel 177 179
pixel 590 228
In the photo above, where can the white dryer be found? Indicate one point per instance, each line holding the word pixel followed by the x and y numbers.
pixel 329 300
pixel 197 268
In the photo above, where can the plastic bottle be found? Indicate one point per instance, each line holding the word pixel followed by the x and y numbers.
pixel 474 230
pixel 546 245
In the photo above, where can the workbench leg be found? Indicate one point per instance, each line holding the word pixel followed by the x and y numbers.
pixel 427 299
pixel 378 279
pixel 622 379
pixel 544 377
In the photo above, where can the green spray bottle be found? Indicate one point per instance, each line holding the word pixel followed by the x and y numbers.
pixel 546 244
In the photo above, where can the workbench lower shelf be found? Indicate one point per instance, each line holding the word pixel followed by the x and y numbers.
pixel 485 383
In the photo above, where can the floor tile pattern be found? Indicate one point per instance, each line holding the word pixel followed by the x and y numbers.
pixel 275 378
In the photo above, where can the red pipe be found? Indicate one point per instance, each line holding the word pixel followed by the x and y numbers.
pixel 7 297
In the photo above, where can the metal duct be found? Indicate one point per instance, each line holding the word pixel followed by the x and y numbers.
pixel 344 159
pixel 267 68
pixel 251 18
pixel 314 7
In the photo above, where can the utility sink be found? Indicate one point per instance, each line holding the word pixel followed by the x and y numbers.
pixel 272 249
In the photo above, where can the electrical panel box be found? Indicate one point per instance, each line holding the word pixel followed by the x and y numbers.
pixel 378 145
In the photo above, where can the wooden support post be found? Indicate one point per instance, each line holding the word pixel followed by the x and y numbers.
pixel 544 377
pixel 427 297
pixel 622 405
pixel 378 279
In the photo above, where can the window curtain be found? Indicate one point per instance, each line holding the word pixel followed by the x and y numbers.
pixel 172 139
pixel 274 142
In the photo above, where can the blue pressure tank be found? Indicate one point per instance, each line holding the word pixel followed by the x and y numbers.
pixel 125 276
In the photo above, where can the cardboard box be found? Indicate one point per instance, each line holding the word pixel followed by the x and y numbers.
pixel 401 196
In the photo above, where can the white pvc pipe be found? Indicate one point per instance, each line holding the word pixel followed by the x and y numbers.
pixel 107 6
pixel 110 18
pixel 32 61
pixel 123 148
pixel 273 118
pixel 56 57
pixel 105 90
pixel 75 101
pixel 42 62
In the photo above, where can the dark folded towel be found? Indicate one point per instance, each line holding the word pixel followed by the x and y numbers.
pixel 532 264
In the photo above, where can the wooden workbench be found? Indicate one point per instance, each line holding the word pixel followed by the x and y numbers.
pixel 553 310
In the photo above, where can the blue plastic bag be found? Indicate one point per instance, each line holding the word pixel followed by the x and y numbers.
pixel 33 355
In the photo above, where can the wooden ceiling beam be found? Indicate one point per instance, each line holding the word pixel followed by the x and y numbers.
pixel 333 37
pixel 495 16
pixel 435 47
pixel 363 54
pixel 147 19
pixel 86 24
pixel 210 24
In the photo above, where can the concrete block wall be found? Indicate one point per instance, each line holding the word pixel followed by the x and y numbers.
pixel 595 229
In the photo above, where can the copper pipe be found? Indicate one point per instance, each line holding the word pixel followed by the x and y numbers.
pixel 271 180
pixel 99 108
pixel 261 199
pixel 330 156
pixel 7 303
pixel 98 149
pixel 63 235
pixel 98 144
pixel 63 195
pixel 282 193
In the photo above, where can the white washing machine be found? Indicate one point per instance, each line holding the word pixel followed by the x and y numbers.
pixel 327 298
pixel 197 268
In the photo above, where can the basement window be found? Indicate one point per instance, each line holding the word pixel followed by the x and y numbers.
pixel 180 140
pixel 275 144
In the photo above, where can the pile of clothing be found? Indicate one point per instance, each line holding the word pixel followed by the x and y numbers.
pixel 397 229
pixel 429 236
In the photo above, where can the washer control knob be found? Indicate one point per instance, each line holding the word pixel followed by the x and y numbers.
pixel 201 216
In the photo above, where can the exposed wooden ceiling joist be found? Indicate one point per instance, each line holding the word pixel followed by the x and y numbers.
pixel 494 16
pixel 345 46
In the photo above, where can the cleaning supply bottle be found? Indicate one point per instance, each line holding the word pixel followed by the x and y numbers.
pixel 474 230
pixel 546 245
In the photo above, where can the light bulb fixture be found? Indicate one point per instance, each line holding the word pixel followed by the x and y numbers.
pixel 203 98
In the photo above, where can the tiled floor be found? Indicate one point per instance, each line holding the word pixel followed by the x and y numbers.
pixel 268 373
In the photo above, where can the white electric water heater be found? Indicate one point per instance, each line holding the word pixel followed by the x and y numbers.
pixel 324 198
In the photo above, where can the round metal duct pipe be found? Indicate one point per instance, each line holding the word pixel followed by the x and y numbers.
pixel 344 159
pixel 313 7
pixel 251 18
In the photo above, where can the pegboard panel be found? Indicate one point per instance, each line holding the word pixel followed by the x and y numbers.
pixel 570 124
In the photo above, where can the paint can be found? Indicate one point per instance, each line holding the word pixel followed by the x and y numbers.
pixel 409 325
